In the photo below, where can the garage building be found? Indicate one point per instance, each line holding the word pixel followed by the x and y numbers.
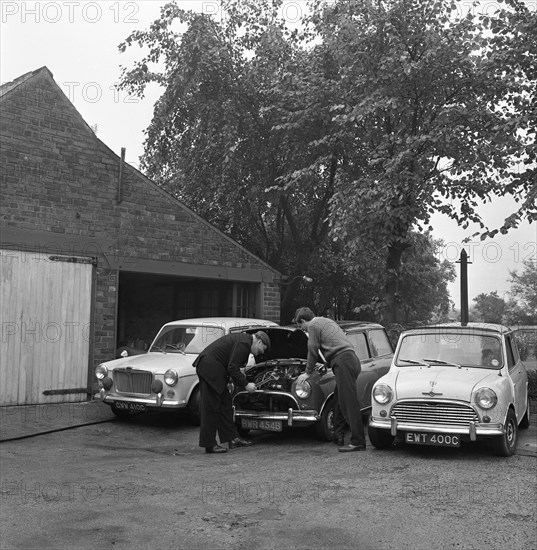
pixel 94 255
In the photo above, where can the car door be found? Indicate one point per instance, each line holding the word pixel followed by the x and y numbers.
pixel 381 350
pixel 518 376
pixel 367 377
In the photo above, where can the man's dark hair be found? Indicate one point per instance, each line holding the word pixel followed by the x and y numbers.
pixel 263 336
pixel 303 313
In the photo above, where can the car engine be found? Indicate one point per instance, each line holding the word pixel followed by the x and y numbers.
pixel 276 375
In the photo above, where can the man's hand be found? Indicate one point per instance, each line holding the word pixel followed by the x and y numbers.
pixel 250 387
pixel 302 378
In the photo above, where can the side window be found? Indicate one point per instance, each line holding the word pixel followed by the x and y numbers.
pixel 510 356
pixel 358 340
pixel 380 345
pixel 515 349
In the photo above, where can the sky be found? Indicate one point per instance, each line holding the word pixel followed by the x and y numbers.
pixel 78 41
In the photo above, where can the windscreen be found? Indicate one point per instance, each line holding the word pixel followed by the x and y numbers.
pixel 465 349
pixel 186 339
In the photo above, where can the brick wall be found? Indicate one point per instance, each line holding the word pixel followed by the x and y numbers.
pixel 58 178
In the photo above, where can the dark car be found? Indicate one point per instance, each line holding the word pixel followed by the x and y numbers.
pixel 279 402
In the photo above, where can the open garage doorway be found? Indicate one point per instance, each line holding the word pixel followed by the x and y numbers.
pixel 147 301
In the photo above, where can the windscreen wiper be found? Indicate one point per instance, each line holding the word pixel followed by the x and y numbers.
pixel 440 362
pixel 413 362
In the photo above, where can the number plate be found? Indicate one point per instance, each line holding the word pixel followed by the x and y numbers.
pixel 442 440
pixel 267 425
pixel 127 406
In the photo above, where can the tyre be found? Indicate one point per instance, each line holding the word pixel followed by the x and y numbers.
pixel 380 439
pixel 525 422
pixel 120 413
pixel 243 432
pixel 505 445
pixel 193 407
pixel 324 429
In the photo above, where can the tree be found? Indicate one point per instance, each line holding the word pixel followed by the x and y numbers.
pixel 431 114
pixel 216 140
pixel 324 148
pixel 524 288
pixel 490 307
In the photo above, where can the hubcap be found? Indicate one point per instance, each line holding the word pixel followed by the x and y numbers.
pixel 510 433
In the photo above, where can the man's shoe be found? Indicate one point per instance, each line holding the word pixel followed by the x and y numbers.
pixel 351 447
pixel 215 449
pixel 239 442
pixel 339 441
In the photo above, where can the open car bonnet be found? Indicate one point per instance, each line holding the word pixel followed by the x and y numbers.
pixel 285 343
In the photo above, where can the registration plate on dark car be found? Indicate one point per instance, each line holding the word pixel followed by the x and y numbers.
pixel 267 425
pixel 128 406
pixel 443 440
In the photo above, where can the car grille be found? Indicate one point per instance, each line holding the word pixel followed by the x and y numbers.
pixel 265 401
pixel 420 412
pixel 133 381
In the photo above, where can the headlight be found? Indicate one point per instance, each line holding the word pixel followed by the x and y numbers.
pixel 382 394
pixel 486 398
pixel 171 377
pixel 303 389
pixel 100 372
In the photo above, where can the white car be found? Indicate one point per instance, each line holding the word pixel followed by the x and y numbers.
pixel 164 378
pixel 450 383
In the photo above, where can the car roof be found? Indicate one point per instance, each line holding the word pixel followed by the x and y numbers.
pixel 349 325
pixel 481 327
pixel 226 322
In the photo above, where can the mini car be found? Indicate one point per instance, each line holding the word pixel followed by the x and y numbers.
pixel 449 384
pixel 164 378
pixel 280 403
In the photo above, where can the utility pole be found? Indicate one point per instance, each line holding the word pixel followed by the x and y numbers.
pixel 464 287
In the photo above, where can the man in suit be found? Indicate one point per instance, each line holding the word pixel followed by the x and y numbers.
pixel 215 365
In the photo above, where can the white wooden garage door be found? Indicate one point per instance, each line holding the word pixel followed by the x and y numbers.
pixel 45 307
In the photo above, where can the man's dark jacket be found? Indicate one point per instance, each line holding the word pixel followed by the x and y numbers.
pixel 223 359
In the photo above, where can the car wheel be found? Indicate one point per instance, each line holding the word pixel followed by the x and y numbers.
pixel 120 413
pixel 243 432
pixel 505 445
pixel 380 439
pixel 324 429
pixel 193 407
pixel 525 422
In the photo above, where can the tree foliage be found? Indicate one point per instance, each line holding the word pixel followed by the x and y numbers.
pixel 524 288
pixel 322 148
pixel 490 307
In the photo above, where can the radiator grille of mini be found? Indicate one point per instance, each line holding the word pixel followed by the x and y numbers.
pixel 265 401
pixel 133 381
pixel 438 414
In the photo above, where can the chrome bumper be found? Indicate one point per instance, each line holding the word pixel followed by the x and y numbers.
pixel 156 401
pixel 473 430
pixel 290 417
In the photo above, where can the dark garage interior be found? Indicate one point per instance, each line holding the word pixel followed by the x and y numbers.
pixel 147 301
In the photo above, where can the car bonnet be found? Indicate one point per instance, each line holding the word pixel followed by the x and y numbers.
pixel 440 382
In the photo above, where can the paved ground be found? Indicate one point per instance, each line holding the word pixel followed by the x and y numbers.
pixel 27 421
pixel 144 483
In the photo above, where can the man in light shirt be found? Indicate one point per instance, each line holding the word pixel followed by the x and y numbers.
pixel 326 335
